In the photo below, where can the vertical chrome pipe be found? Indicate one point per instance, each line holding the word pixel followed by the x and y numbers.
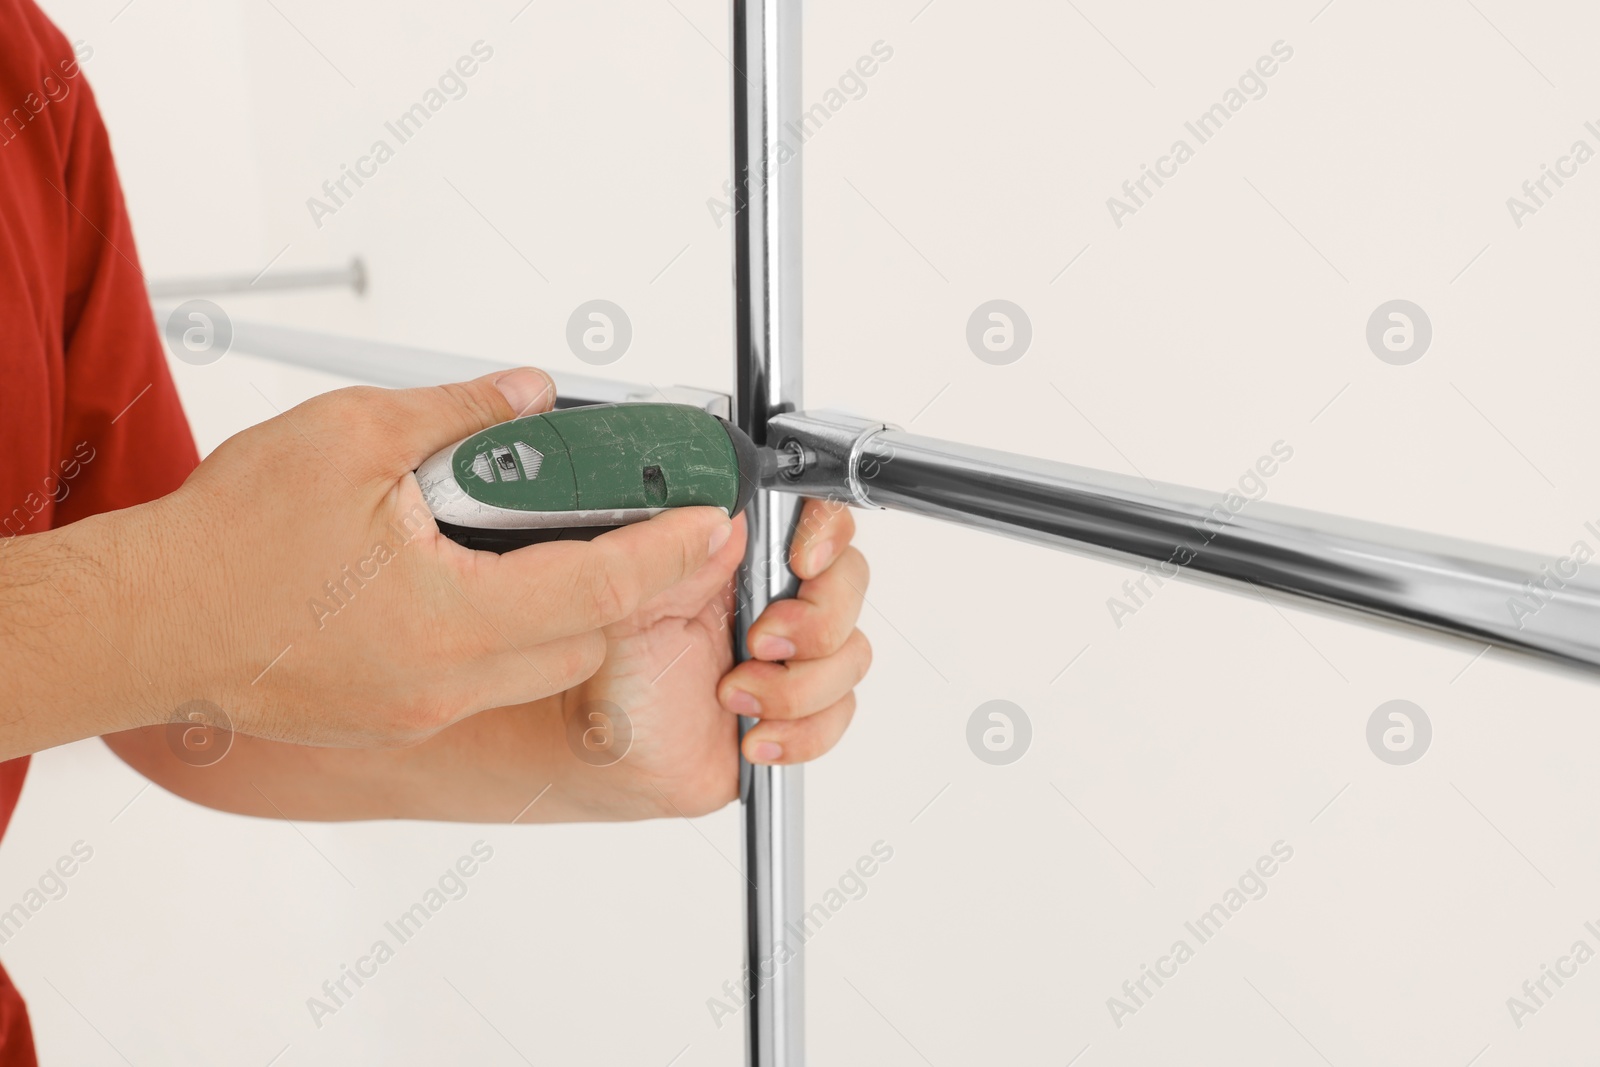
pixel 767 295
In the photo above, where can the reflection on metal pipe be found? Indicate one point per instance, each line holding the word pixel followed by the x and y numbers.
pixel 766 96
pixel 1516 600
pixel 352 277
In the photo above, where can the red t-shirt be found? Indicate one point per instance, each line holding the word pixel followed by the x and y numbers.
pixel 89 418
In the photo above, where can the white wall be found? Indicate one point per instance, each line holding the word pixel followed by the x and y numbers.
pixel 1222 317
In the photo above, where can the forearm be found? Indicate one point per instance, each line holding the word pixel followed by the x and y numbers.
pixel 488 768
pixel 71 658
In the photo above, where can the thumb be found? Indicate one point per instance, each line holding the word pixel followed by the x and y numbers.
pixel 437 416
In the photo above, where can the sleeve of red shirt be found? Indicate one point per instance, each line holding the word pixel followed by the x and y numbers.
pixel 120 401
pixel 89 417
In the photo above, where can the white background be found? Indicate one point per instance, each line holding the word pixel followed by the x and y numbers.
pixel 1223 317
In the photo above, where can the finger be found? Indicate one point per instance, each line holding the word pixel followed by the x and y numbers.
pixel 567 587
pixel 714 580
pixel 820 617
pixel 825 528
pixel 423 421
pixel 523 675
pixel 801 740
pixel 506 676
pixel 794 690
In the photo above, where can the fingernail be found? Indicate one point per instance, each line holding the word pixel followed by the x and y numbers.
pixel 719 537
pixel 526 389
pixel 741 703
pixel 771 647
pixel 766 752
pixel 821 555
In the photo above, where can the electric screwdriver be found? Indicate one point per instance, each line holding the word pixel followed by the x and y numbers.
pixel 575 473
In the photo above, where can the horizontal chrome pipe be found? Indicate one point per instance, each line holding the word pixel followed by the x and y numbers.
pixel 352 277
pixel 405 367
pixel 1515 600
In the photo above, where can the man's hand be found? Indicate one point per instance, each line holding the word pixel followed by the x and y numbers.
pixel 608 665
pixel 297 580
pixel 344 617
pixel 667 697
pixel 652 733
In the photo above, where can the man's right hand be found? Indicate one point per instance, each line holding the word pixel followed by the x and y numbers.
pixel 298 582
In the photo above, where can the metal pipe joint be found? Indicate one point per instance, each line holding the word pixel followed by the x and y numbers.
pixel 837 451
